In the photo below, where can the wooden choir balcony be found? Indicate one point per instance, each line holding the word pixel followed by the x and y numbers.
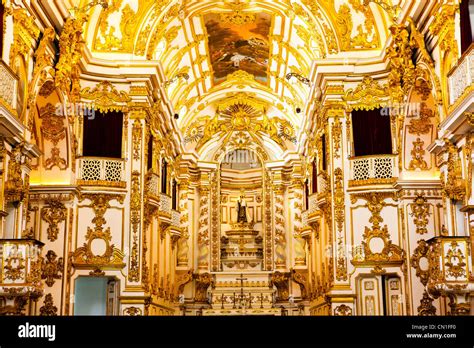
pixel 461 79
pixel 372 170
pixel 20 267
pixel 96 171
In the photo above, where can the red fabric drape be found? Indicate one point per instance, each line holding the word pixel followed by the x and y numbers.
pixel 102 135
pixel 371 132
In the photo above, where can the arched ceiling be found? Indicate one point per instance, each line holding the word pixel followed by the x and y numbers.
pixel 230 48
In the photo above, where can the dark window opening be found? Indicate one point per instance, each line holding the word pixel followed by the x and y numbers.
pixel 314 177
pixel 323 155
pixel 164 177
pixel 174 195
pixel 150 153
pixel 2 27
pixel 306 194
pixel 467 24
pixel 372 133
pixel 103 135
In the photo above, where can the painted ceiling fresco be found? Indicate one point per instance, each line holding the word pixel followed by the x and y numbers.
pixel 239 46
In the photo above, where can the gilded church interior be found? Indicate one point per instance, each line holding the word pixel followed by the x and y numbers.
pixel 236 157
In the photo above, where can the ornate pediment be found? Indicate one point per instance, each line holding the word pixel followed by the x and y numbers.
pixel 368 95
pixel 105 97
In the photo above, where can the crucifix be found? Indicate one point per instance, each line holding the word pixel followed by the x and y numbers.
pixel 241 288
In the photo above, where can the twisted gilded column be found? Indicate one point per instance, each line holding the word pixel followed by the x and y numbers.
pixel 203 230
pixel 299 243
pixel 280 231
pixel 183 246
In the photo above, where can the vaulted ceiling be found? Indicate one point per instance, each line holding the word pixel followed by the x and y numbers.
pixel 213 52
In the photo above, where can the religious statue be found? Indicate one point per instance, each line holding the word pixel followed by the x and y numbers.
pixel 242 209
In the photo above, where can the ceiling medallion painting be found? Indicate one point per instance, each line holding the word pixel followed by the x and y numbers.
pixel 239 43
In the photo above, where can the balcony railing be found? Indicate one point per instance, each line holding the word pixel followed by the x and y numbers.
pixel 368 170
pixel 153 185
pixel 175 218
pixel 8 87
pixel 323 183
pixel 304 218
pixel 20 266
pixel 101 171
pixel 165 205
pixel 461 78
pixel 312 204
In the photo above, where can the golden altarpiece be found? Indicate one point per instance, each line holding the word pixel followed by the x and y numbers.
pixel 200 157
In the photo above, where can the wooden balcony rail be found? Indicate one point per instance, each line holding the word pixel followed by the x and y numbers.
pixel 101 171
pixel 461 78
